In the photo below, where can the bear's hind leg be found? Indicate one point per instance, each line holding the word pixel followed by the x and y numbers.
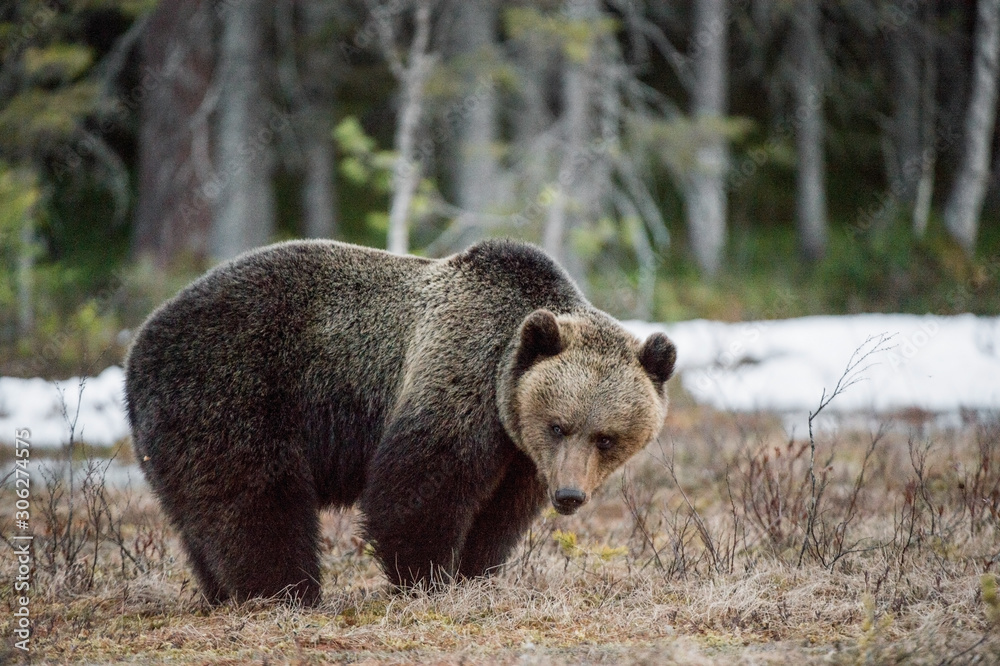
pixel 210 586
pixel 271 547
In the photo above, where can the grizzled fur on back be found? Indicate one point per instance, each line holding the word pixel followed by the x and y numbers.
pixel 312 374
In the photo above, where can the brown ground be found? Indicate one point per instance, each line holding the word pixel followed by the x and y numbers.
pixel 694 555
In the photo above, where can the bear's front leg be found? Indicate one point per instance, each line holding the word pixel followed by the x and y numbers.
pixel 499 525
pixel 418 503
pixel 417 531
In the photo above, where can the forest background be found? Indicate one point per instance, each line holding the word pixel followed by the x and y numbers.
pixel 728 160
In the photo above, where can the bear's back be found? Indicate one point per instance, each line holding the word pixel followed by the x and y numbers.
pixel 251 332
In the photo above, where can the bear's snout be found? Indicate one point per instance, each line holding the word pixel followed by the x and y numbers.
pixel 567 500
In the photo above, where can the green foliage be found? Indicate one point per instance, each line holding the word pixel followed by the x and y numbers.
pixel 368 170
pixel 81 312
pixel 55 91
pixel 676 140
pixel 36 118
pixel 47 63
pixel 873 631
pixel 19 196
pixel 876 270
pixel 51 93
pixel 988 585
pixel 567 543
pixel 351 138
pixel 365 167
pixel 83 338
pixel 570 548
pixel 588 241
pixel 58 63
pixel 574 36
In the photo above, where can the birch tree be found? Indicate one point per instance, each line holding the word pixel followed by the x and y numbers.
pixel 577 174
pixel 928 122
pixel 909 135
pixel 575 122
pixel 412 77
pixel 244 211
pixel 810 193
pixel 475 30
pixel 965 202
pixel 905 60
pixel 705 187
pixel 19 199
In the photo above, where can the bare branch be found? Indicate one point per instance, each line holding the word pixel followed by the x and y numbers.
pixel 853 373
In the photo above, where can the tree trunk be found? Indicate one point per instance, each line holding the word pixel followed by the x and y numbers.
pixel 810 195
pixel 961 213
pixel 409 167
pixel 173 218
pixel 576 119
pixel 476 33
pixel 705 189
pixel 532 116
pixel 318 193
pixel 25 275
pixel 904 162
pixel 244 213
pixel 928 123
pixel 319 196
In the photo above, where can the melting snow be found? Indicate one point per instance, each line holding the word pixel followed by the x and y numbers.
pixel 935 364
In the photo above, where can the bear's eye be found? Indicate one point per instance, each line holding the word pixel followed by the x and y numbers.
pixel 604 443
pixel 557 430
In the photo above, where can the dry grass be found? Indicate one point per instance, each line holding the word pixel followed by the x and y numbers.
pixel 692 556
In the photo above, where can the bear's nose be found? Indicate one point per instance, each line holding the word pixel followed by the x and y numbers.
pixel 568 500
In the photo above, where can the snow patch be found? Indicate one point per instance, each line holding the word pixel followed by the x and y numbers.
pixel 935 364
pixel 35 404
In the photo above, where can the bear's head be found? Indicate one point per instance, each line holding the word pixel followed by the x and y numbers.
pixel 580 396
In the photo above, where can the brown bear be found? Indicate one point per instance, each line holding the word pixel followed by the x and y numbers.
pixel 448 398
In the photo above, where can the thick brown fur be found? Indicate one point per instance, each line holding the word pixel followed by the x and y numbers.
pixel 314 374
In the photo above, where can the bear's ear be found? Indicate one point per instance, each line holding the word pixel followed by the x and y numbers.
pixel 657 357
pixel 538 338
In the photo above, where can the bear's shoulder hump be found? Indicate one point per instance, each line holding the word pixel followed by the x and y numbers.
pixel 511 258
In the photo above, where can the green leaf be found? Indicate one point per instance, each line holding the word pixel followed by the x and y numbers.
pixel 354 170
pixel 351 137
pixel 607 553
